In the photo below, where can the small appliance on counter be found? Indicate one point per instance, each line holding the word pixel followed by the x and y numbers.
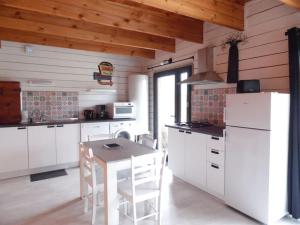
pixel 121 110
pixel 101 112
pixel 248 86
pixel 89 114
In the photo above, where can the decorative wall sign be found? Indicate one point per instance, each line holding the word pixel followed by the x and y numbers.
pixel 104 76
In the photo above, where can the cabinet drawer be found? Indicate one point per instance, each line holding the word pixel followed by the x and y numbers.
pixel 215 178
pixel 216 142
pixel 215 156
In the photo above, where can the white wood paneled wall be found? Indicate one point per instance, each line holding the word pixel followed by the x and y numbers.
pixel 69 70
pixel 265 54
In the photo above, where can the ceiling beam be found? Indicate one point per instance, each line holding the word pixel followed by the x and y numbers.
pixel 108 35
pixel 229 13
pixel 33 38
pixel 293 3
pixel 117 15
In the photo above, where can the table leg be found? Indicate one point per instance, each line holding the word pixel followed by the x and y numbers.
pixel 111 202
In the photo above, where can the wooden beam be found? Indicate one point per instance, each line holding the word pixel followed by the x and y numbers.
pixel 108 35
pixel 229 13
pixel 33 38
pixel 292 3
pixel 117 15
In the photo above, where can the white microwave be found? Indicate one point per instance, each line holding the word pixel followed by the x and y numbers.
pixel 121 110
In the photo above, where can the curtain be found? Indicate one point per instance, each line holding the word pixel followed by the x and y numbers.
pixel 294 135
pixel 233 63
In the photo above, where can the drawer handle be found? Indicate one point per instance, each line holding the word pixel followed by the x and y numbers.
pixel 215 138
pixel 60 125
pixel 50 126
pixel 188 132
pixel 214 166
pixel 181 131
pixel 215 151
pixel 21 128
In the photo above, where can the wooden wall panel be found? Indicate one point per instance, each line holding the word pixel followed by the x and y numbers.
pixel 265 54
pixel 69 70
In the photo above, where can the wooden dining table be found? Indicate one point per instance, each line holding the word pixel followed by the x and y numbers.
pixel 112 161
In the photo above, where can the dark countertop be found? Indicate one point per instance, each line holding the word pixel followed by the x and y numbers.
pixel 211 130
pixel 58 122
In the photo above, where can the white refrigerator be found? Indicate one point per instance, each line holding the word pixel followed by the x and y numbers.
pixel 257 154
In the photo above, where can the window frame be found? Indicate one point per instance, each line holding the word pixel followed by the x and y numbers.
pixel 177 72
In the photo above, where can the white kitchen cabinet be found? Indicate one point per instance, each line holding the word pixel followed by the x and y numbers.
pixel 215 178
pixel 176 151
pixel 41 146
pixel 67 143
pixel 195 158
pixel 14 151
pixel 215 165
pixel 215 155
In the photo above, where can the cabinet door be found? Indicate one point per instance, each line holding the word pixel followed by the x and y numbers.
pixel 195 158
pixel 251 110
pixel 41 143
pixel 67 143
pixel 176 140
pixel 215 178
pixel 247 171
pixel 14 151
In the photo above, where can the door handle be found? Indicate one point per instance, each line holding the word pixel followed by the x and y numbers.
pixel 181 131
pixel 214 151
pixel 214 166
pixel 50 126
pixel 215 138
pixel 60 125
pixel 188 132
pixel 21 128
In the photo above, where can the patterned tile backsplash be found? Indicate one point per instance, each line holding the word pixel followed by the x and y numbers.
pixel 54 105
pixel 208 104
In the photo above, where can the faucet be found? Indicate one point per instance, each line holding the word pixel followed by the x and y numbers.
pixel 33 115
pixel 42 117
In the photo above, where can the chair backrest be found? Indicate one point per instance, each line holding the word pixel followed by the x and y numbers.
pixel 87 165
pixel 147 168
pixel 148 141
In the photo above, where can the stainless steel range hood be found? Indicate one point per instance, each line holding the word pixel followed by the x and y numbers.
pixel 206 64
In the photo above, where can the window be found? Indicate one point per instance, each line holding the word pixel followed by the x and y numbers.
pixel 171 100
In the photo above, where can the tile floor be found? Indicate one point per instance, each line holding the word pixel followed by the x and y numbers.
pixel 56 202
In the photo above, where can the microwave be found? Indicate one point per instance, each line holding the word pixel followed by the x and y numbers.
pixel 121 110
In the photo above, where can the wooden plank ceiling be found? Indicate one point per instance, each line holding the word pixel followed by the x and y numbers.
pixel 292 3
pixel 228 13
pixel 128 27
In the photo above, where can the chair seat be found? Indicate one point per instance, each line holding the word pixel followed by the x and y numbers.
pixel 142 192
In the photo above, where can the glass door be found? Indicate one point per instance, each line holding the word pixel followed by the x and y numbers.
pixel 171 101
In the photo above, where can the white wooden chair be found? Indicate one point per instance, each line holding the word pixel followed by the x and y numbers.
pixel 88 183
pixel 145 184
pixel 148 141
